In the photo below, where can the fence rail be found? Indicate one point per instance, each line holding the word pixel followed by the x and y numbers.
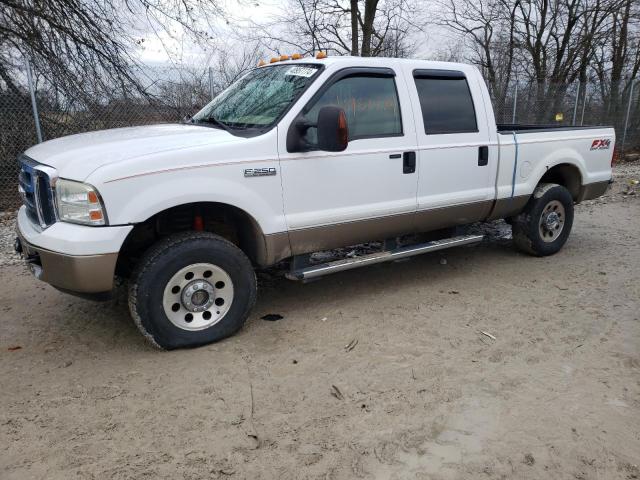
pixel 30 116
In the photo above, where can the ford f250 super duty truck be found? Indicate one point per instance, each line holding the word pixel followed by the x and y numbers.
pixel 298 156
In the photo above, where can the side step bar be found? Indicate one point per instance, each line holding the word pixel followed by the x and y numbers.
pixel 321 269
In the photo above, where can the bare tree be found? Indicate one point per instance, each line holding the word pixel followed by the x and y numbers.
pixel 366 28
pixel 617 61
pixel 488 28
pixel 549 44
pixel 192 87
pixel 88 45
pixel 232 65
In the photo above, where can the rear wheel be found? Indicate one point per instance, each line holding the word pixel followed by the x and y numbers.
pixel 191 289
pixel 545 224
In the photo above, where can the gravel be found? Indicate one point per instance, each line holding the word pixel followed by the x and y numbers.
pixel 7 237
pixel 425 393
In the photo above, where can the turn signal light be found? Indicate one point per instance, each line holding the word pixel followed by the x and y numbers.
pixel 296 56
pixel 321 55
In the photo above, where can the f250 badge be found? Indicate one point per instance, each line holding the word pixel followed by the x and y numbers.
pixel 259 172
pixel 601 144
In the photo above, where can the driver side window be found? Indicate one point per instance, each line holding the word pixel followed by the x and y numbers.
pixel 371 105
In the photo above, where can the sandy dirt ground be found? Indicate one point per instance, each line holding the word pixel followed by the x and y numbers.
pixel 423 394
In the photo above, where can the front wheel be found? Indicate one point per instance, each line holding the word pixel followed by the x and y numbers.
pixel 191 289
pixel 544 225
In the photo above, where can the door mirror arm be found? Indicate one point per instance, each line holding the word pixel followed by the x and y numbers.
pixel 296 141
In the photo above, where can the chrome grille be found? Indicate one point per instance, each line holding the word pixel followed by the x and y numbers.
pixel 35 183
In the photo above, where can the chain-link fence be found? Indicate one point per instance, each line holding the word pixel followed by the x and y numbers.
pixel 572 105
pixel 178 93
pixel 172 97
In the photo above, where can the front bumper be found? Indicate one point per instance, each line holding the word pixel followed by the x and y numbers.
pixel 85 273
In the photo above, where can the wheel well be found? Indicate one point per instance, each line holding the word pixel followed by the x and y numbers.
pixel 566 175
pixel 225 220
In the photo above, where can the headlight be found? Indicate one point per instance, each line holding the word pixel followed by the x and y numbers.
pixel 79 203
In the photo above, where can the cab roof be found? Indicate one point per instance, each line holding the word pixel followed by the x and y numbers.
pixel 351 61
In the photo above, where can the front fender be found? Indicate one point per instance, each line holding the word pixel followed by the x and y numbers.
pixel 135 199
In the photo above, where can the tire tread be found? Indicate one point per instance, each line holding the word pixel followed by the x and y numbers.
pixel 160 248
pixel 525 227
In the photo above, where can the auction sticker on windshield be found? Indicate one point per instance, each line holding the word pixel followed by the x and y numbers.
pixel 301 71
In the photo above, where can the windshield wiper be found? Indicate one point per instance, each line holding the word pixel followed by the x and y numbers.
pixel 213 120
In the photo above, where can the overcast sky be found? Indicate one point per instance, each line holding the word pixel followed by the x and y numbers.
pixel 166 48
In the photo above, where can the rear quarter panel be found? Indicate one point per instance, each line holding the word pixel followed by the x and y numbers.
pixel 538 151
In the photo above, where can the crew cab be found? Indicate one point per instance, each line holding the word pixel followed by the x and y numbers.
pixel 298 156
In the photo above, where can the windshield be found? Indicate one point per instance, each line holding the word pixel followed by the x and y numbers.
pixel 259 98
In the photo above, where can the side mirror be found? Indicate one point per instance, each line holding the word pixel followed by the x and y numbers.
pixel 333 133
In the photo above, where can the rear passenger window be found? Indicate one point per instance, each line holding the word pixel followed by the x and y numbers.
pixel 446 103
pixel 370 103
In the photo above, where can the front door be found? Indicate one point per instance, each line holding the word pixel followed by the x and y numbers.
pixel 366 192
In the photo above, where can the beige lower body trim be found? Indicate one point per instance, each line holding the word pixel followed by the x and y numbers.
pixel 593 190
pixel 436 218
pixel 315 239
pixel 277 247
pixel 75 273
pixel 508 207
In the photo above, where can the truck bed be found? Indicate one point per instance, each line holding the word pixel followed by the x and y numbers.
pixel 528 151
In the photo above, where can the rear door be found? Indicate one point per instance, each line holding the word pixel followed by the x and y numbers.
pixel 365 192
pixel 457 158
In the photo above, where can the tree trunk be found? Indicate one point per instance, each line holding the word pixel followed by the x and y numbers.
pixel 370 8
pixel 619 57
pixel 354 28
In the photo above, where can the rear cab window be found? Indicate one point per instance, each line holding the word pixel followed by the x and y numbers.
pixel 445 101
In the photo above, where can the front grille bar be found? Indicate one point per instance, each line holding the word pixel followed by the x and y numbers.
pixel 36 184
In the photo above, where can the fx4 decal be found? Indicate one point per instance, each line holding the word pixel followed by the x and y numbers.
pixel 259 172
pixel 601 144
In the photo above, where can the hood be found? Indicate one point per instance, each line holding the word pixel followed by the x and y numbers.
pixel 76 156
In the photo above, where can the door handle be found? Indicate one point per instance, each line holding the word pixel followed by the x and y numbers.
pixel 408 162
pixel 483 156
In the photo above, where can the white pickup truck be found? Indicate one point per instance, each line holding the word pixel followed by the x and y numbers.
pixel 298 156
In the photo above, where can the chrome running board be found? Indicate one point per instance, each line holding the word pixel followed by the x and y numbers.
pixel 321 269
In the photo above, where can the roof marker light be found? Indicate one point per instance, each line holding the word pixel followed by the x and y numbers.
pixel 261 63
pixel 274 60
pixel 284 57
pixel 296 56
pixel 321 55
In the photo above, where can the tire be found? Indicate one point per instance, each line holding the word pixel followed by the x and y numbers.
pixel 545 223
pixel 191 289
